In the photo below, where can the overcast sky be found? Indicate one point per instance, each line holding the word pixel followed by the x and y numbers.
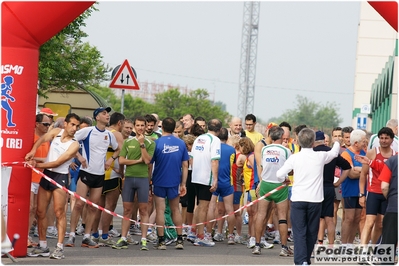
pixel 304 48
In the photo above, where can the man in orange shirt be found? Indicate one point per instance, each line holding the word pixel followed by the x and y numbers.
pixel 43 123
pixel 350 186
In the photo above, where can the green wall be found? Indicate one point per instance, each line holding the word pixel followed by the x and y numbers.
pixel 381 94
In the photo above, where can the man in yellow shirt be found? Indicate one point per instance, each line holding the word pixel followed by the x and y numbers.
pixel 250 122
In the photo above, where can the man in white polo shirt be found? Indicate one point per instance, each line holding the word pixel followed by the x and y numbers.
pixel 206 156
pixel 307 192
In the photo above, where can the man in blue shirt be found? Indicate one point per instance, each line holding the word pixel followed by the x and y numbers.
pixel 170 161
pixel 224 191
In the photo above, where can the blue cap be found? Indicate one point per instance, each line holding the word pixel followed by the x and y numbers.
pixel 100 110
pixel 320 135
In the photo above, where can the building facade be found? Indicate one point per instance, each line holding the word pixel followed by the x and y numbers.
pixel 376 75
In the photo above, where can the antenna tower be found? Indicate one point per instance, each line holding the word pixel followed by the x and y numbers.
pixel 249 46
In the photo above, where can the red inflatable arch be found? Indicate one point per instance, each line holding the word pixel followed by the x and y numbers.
pixel 25 26
pixel 388 10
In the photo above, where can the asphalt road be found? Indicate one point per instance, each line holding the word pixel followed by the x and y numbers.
pixel 220 254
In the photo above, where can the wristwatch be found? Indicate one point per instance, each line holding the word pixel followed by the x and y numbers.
pixel 142 146
pixel 114 158
pixel 361 195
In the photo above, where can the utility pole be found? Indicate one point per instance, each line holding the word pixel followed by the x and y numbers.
pixel 249 46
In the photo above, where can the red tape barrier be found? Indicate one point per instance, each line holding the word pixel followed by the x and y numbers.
pixel 122 217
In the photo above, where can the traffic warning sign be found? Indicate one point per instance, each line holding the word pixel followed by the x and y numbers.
pixel 125 78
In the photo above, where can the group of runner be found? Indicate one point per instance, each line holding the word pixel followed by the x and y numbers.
pixel 181 173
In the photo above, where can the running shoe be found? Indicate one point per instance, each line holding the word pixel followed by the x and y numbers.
pixel 143 245
pixel 204 242
pixel 270 231
pixel 256 250
pixel 230 239
pixel 218 237
pixel 179 244
pixel 52 233
pixel 251 242
pixel 107 242
pixel 240 239
pixel 152 237
pixel 286 252
pixel 130 240
pixel 186 230
pixel 36 232
pixel 337 238
pixel 135 230
pixel 113 233
pixel 58 254
pixel 265 244
pixel 80 230
pixel 89 243
pixel 161 246
pixel 208 236
pixel 276 239
pixel 131 227
pixel 39 252
pixel 191 237
pixel 338 235
pixel 70 242
pixel 268 235
pixel 120 244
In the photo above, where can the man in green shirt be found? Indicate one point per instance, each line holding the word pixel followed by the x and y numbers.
pixel 151 124
pixel 137 154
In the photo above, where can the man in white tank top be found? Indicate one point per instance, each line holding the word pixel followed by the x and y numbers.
pixel 62 151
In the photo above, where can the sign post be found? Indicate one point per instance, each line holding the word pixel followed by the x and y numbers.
pixel 361 122
pixel 122 100
pixel 125 78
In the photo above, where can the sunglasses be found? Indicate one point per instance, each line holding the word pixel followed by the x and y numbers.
pixel 45 124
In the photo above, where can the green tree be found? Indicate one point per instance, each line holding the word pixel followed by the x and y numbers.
pixel 169 103
pixel 222 105
pixel 172 103
pixel 136 106
pixel 107 94
pixel 131 107
pixel 66 62
pixel 312 114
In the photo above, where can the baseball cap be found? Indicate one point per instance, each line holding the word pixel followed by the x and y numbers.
pixel 47 111
pixel 320 135
pixel 101 109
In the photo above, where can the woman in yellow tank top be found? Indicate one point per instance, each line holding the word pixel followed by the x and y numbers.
pixel 246 160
